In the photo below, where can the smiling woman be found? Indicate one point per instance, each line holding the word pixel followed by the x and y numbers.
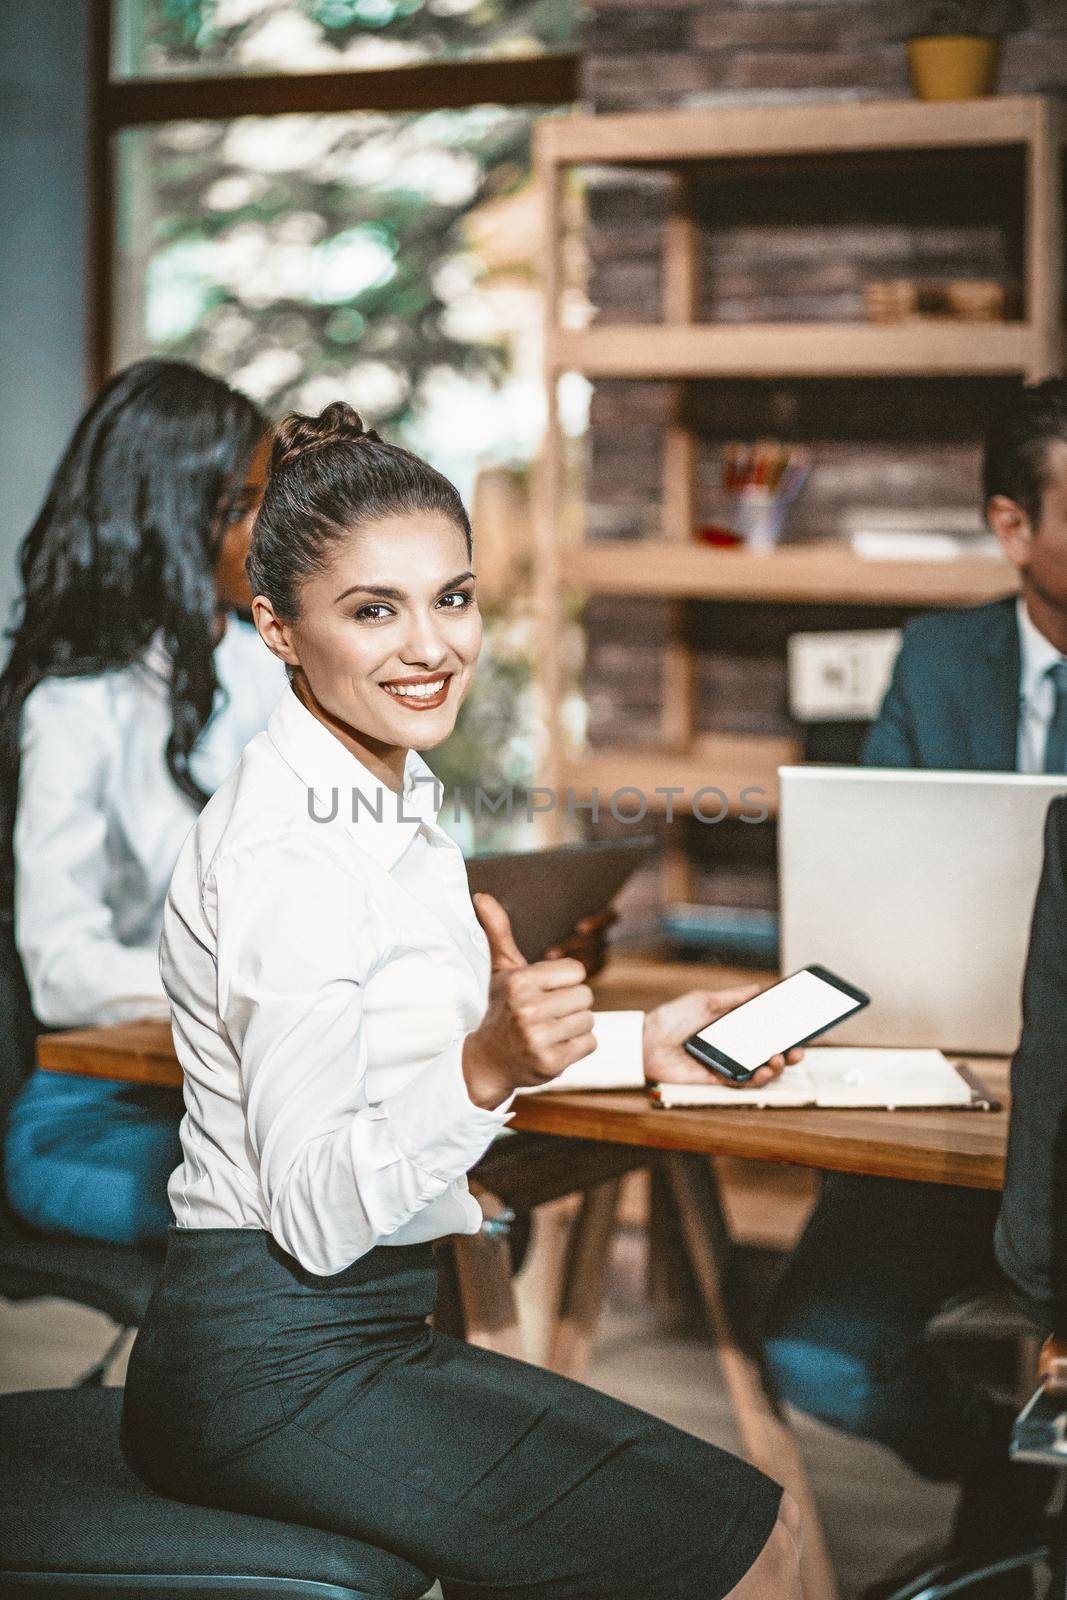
pixel 352 1032
pixel 366 655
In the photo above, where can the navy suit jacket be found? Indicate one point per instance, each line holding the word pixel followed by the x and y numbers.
pixel 953 703
pixel 1032 1228
pixel 953 700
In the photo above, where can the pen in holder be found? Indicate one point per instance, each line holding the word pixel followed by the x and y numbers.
pixel 760 484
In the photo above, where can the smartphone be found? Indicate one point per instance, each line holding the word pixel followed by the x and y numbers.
pixel 789 1013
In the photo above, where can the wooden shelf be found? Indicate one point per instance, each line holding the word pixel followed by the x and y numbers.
pixel 826 571
pixel 670 137
pixel 790 141
pixel 925 349
pixel 730 762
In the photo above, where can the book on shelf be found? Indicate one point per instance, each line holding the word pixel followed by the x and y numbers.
pixel 909 533
pixel 741 934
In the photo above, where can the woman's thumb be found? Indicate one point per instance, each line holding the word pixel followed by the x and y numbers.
pixel 497 924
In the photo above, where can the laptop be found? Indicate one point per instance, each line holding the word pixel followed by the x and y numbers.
pixel 918 887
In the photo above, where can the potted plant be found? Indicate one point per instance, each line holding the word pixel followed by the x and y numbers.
pixel 955 52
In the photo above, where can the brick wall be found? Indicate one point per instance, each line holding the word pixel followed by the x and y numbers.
pixel 641 55
pixel 781 246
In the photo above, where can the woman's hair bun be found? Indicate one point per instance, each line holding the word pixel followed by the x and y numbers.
pixel 297 435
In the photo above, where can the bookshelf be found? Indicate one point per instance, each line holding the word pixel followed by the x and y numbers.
pixel 818 571
pixel 727 762
pixel 678 348
pixel 799 350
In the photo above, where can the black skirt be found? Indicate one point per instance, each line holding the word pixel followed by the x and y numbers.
pixel 257 1386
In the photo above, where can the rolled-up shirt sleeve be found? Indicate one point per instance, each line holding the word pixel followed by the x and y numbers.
pixel 297 943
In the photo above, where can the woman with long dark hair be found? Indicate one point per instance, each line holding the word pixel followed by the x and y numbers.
pixel 352 1033
pixel 130 690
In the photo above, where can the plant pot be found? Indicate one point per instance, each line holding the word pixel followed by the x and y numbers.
pixel 959 67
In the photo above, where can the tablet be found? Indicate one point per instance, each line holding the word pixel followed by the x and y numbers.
pixel 545 892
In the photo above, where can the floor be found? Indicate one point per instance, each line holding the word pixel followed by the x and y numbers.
pixel 875 1512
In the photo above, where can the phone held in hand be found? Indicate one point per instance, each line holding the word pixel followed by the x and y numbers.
pixel 789 1013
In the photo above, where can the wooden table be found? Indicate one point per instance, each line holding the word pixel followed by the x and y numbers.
pixel 961 1148
pixel 966 1149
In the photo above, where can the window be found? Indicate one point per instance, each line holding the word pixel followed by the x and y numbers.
pixel 385 260
pixel 322 199
pixel 164 38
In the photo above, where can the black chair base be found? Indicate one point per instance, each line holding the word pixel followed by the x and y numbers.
pixel 94 1378
pixel 961 1578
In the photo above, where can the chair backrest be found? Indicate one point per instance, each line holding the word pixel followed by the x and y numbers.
pixel 18 1026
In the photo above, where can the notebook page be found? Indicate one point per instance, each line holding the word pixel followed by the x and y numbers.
pixel 840 1077
pixel 796 1087
pixel 854 1077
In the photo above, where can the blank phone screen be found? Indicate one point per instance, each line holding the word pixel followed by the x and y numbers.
pixel 777 1019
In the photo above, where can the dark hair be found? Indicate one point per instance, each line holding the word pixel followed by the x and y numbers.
pixel 1016 450
pixel 125 544
pixel 328 476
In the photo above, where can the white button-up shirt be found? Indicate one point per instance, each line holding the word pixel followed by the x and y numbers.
pixel 1037 694
pixel 324 964
pixel 100 821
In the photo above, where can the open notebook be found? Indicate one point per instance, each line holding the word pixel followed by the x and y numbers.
pixel 842 1077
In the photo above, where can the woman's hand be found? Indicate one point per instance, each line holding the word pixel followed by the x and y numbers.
pixel 587 941
pixel 538 1021
pixel 669 1024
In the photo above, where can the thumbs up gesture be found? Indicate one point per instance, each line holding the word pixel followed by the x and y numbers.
pixel 539 1018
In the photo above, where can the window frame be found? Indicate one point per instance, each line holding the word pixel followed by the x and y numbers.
pixel 117 104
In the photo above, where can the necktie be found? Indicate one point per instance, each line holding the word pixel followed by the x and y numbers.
pixel 1056 738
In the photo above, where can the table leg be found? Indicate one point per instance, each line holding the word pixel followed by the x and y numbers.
pixel 582 1289
pixel 769 1442
pixel 672 1290
pixel 476 1301
pixel 538 1287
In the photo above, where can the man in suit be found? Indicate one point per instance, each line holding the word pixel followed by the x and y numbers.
pixel 1031 1235
pixel 982 689
pixel 977 689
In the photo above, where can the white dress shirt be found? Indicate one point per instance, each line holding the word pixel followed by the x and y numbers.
pixel 100 821
pixel 1036 691
pixel 323 971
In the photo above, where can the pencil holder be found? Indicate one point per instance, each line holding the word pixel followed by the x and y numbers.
pixel 760 483
pixel 758 515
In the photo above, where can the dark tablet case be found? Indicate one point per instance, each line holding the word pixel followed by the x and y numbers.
pixel 545 892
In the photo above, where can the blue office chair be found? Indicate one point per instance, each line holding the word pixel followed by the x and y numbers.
pixel 77 1524
pixel 115 1279
pixel 1039 1437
